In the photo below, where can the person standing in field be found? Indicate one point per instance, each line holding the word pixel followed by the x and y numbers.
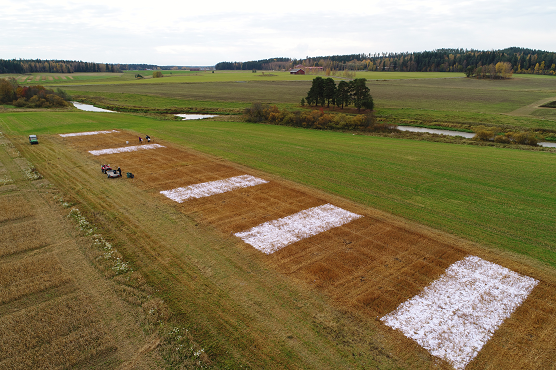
pixel 148 138
pixel 140 140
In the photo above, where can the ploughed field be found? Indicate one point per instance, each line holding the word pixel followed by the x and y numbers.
pixel 367 261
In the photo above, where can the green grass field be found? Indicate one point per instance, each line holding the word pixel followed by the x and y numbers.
pixel 500 198
pixel 447 101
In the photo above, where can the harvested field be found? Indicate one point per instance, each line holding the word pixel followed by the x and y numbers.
pixel 14 207
pixel 22 236
pixel 61 333
pixel 56 310
pixel 369 265
pixel 30 276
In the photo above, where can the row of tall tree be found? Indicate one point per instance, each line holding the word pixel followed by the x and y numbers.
pixel 522 60
pixel 324 91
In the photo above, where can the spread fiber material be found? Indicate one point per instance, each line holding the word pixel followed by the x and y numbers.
pixel 125 149
pixel 88 133
pixel 272 236
pixel 458 313
pixel 207 189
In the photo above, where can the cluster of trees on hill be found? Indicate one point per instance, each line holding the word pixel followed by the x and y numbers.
pixel 500 70
pixel 324 90
pixel 31 96
pixel 442 60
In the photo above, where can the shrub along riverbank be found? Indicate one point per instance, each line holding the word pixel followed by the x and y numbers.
pixel 316 119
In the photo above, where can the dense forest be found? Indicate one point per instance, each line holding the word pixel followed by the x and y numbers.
pixel 442 60
pixel 54 66
pixel 69 66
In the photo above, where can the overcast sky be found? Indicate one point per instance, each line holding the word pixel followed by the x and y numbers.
pixel 204 33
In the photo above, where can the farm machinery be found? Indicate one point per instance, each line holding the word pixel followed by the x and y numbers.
pixel 110 173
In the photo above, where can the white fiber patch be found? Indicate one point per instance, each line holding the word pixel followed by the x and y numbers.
pixel 125 149
pixel 275 235
pixel 88 133
pixel 457 314
pixel 207 189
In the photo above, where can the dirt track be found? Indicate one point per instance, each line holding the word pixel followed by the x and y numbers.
pixel 368 266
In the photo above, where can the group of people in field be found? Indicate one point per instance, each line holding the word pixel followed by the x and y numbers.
pixel 106 167
pixel 147 137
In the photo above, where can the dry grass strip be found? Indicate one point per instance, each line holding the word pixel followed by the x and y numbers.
pixel 14 207
pixel 60 333
pixel 20 237
pixel 29 276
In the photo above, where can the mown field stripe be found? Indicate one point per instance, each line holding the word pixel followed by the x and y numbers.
pixel 207 189
pixel 457 314
pixel 272 236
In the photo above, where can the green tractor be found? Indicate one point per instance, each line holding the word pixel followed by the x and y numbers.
pixel 33 139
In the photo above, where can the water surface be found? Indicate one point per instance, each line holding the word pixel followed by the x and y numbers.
pixel 195 116
pixel 90 108
pixel 468 135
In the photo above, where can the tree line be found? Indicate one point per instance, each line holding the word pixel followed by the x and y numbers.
pixel 522 60
pixel 266 64
pixel 324 91
pixel 31 96
pixel 20 66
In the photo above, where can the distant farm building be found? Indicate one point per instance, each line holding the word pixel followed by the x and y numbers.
pixel 297 71
pixel 194 69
